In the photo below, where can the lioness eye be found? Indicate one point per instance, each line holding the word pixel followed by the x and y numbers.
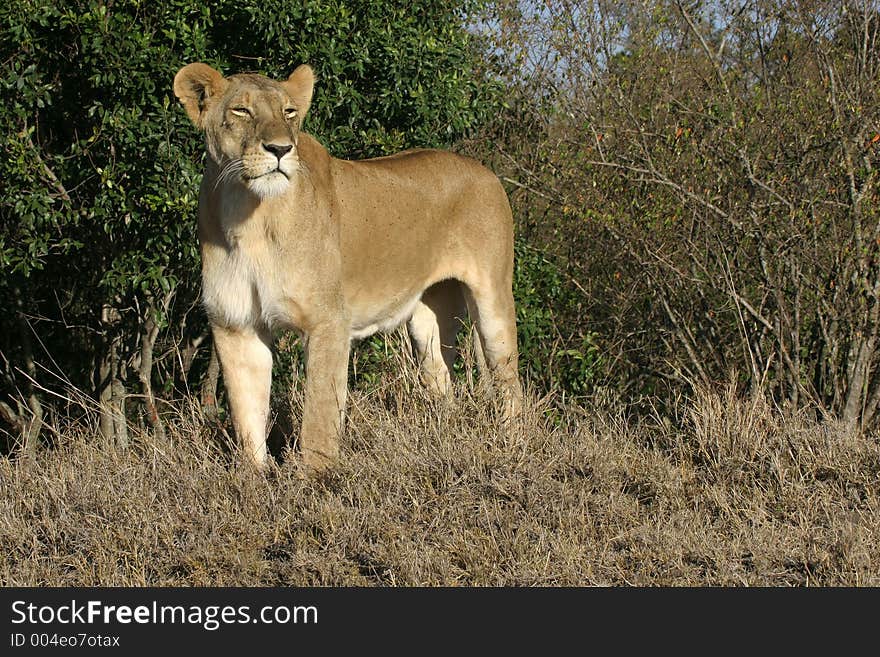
pixel 290 112
pixel 240 111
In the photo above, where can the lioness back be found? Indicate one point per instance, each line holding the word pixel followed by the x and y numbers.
pixel 420 216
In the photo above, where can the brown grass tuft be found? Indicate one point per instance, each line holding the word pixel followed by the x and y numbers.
pixel 428 494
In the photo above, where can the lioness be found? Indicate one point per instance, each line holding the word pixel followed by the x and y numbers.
pixel 292 238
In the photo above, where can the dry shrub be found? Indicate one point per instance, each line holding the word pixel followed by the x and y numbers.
pixel 433 494
pixel 704 176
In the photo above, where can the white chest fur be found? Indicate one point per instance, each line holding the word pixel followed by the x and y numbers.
pixel 242 288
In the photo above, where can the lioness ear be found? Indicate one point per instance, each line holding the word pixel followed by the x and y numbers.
pixel 300 86
pixel 194 85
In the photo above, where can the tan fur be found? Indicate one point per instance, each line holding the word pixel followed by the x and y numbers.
pixel 292 238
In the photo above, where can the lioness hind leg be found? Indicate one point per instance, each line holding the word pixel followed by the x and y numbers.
pixel 433 327
pixel 494 316
pixel 246 360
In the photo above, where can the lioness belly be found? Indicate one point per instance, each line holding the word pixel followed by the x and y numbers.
pixel 388 316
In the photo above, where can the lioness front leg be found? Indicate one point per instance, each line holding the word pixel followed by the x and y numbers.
pixel 246 359
pixel 327 350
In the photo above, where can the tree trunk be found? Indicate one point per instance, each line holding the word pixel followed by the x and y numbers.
pixel 145 371
pixel 117 403
pixel 188 356
pixel 104 391
pixel 111 391
pixel 209 387
pixel 34 424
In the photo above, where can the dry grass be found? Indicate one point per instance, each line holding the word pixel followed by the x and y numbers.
pixel 427 495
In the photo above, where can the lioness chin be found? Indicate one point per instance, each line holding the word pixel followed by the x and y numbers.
pixel 292 238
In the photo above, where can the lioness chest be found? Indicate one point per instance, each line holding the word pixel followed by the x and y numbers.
pixel 242 286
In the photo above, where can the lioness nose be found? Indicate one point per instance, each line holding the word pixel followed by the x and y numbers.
pixel 278 150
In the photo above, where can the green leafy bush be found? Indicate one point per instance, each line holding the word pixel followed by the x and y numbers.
pixel 556 349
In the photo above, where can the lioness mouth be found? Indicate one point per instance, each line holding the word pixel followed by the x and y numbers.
pixel 263 175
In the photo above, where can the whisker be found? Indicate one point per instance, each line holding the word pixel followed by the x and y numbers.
pixel 230 169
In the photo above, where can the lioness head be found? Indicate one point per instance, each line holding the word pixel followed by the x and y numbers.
pixel 251 123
